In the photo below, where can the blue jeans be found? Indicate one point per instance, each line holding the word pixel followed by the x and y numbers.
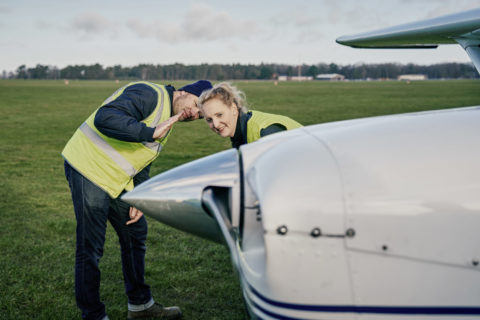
pixel 93 207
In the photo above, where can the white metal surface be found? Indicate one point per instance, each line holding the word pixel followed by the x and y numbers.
pixel 408 186
pixel 405 186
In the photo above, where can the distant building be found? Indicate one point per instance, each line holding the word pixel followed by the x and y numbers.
pixel 412 77
pixel 294 78
pixel 330 77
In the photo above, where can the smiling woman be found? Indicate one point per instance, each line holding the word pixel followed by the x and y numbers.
pixel 225 111
pixel 221 107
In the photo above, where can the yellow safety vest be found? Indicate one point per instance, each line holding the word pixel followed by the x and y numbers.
pixel 111 163
pixel 261 120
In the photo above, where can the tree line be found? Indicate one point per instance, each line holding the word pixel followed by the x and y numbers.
pixel 218 72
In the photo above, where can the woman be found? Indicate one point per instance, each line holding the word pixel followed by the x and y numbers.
pixel 224 109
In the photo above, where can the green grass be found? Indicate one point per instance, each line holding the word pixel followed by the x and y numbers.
pixel 37 233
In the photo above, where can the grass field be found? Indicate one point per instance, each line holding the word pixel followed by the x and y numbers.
pixel 37 224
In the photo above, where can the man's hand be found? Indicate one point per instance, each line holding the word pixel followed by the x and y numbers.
pixel 189 114
pixel 135 215
pixel 162 129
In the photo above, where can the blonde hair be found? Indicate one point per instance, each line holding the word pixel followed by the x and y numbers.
pixel 227 93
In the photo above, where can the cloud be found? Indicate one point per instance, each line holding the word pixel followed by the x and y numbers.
pixel 43 25
pixel 159 30
pixel 357 16
pixel 92 24
pixel 13 44
pixel 299 25
pixel 440 8
pixel 140 29
pixel 297 17
pixel 305 20
pixel 200 23
pixel 309 36
pixel 204 23
pixel 5 10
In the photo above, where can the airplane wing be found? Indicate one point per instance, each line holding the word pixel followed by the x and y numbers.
pixel 462 28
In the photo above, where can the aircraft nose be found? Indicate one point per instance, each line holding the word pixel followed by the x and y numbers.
pixel 175 196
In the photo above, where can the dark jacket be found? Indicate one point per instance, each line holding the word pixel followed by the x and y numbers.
pixel 120 118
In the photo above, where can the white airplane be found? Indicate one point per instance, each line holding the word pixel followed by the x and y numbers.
pixel 374 218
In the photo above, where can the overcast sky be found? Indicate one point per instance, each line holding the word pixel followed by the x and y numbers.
pixel 111 32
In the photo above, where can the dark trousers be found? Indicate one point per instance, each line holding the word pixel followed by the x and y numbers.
pixel 93 207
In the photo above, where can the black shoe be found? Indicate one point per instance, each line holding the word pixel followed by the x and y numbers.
pixel 156 311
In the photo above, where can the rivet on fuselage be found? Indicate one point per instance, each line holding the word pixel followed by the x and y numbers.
pixel 350 233
pixel 282 230
pixel 475 262
pixel 316 232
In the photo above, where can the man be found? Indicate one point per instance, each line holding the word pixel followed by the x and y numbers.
pixel 109 154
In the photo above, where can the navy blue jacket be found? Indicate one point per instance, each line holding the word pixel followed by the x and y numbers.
pixel 120 118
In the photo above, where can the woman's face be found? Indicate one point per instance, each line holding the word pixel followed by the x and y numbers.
pixel 221 118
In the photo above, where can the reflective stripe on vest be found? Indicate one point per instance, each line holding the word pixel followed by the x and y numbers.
pixel 108 149
pixel 261 120
pixel 111 163
pixel 155 145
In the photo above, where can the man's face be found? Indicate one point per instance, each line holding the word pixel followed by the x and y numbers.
pixel 185 100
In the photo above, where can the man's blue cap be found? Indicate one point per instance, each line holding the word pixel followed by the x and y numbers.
pixel 197 88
